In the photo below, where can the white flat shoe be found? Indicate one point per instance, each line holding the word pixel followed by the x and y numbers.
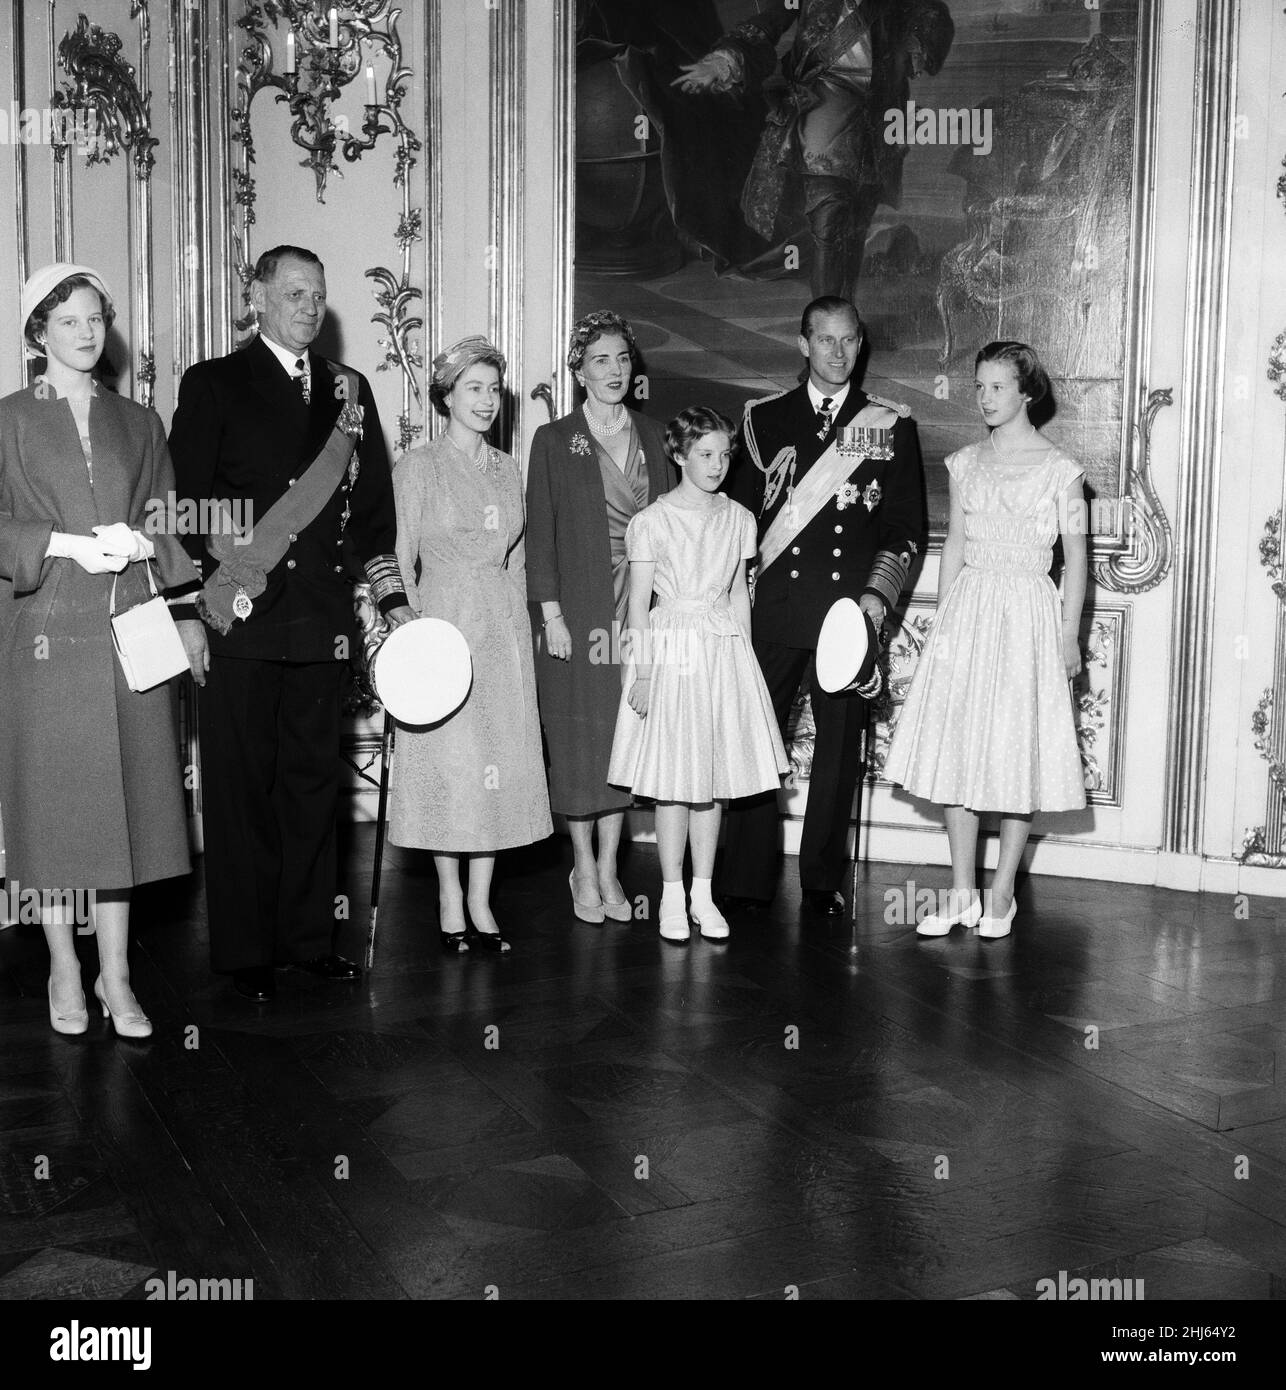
pixel 127 1025
pixel 72 1023
pixel 712 924
pixel 994 927
pixel 936 924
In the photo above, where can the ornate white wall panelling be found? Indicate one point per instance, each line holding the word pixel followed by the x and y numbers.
pixel 1256 631
pixel 1200 446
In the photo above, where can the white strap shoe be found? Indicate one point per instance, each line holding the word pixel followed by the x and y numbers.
pixel 712 924
pixel 673 925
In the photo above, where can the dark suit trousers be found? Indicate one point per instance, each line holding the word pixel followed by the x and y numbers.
pixel 749 867
pixel 270 781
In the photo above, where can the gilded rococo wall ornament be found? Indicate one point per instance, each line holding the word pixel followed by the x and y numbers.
pixel 105 94
pixel 105 87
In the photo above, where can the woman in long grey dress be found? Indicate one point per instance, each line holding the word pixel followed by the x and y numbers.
pixel 90 780
pixel 475 783
pixel 589 473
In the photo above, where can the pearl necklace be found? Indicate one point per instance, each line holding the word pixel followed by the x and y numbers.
pixel 605 430
pixel 997 450
pixel 481 459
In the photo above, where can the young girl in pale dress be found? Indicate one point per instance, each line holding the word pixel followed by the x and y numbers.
pixel 695 725
pixel 988 723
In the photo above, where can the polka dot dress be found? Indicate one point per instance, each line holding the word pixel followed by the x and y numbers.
pixel 988 721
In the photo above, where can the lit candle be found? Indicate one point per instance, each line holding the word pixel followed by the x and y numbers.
pixel 334 26
pixel 372 98
pixel 290 51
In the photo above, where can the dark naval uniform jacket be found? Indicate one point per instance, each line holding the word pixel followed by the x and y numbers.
pixel 242 432
pixel 863 540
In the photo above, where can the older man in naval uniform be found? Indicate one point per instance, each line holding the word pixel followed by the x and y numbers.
pixel 831 525
pixel 292 442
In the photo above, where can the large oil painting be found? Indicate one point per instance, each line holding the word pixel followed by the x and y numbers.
pixel 965 169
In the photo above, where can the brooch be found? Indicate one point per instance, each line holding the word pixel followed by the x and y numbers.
pixel 871 497
pixel 846 496
pixel 579 444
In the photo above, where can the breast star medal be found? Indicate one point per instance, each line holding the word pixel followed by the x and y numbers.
pixel 871 497
pixel 241 605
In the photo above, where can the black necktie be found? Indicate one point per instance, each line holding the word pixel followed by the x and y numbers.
pixel 824 417
pixel 302 380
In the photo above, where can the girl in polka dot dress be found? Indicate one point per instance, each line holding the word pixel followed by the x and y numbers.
pixel 988 724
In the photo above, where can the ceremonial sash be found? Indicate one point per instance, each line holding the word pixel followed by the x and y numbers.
pixel 242 573
pixel 805 500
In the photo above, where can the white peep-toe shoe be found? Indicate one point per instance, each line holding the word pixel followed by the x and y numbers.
pixel 939 924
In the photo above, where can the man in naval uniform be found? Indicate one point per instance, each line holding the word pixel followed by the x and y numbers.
pixel 291 442
pixel 832 525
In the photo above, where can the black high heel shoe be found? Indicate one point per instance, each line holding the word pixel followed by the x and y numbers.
pixel 454 941
pixel 489 941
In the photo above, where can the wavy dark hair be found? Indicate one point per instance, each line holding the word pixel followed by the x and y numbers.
pixel 692 424
pixel 828 304
pixel 1033 380
pixel 266 265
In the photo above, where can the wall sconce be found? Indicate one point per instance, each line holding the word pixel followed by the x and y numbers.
pixel 327 48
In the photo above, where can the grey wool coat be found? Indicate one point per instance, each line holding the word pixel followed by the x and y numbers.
pixel 569 558
pixel 91 788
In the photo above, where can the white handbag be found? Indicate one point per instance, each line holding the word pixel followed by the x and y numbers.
pixel 147 641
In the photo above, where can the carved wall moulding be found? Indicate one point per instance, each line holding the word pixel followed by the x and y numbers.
pixel 106 99
pixel 1262 845
pixel 1277 365
pixel 1270 553
pixel 105 87
pixel 395 297
pixel 1147 560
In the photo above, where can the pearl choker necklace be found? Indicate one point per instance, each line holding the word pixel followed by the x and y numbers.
pixel 602 429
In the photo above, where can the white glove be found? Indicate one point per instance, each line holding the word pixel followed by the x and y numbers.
pixel 88 552
pixel 118 539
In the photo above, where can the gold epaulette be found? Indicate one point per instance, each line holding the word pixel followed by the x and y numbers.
pixel 896 406
pixel 874 416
